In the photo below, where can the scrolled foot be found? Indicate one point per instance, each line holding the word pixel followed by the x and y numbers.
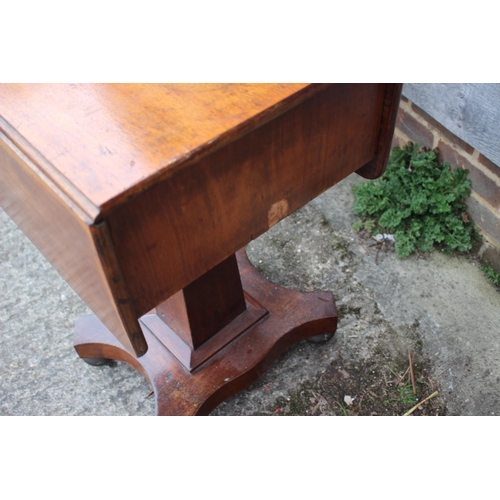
pixel 322 338
pixel 100 362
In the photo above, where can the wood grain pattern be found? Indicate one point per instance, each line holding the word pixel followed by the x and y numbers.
pixel 80 252
pixel 190 312
pixel 390 105
pixel 105 142
pixel 191 358
pixel 205 212
pixel 157 184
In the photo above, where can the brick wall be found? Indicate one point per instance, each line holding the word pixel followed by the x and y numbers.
pixel 414 124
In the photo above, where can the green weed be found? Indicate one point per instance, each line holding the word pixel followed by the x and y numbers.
pixel 406 395
pixel 419 200
pixel 491 274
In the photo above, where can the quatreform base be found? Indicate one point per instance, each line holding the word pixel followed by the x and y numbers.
pixel 285 318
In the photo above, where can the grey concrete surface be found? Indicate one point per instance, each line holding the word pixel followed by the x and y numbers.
pixel 446 301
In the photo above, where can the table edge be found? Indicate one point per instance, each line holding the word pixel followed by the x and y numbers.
pixel 94 213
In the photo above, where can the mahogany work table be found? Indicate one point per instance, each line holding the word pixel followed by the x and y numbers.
pixel 143 195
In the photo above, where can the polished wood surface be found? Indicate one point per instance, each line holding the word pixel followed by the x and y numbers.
pixel 190 312
pixel 196 218
pixel 129 134
pixel 202 318
pixel 376 166
pixel 82 253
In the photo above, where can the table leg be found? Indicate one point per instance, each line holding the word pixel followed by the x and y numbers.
pixel 191 378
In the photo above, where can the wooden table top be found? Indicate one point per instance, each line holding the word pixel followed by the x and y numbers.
pixel 134 191
pixel 101 142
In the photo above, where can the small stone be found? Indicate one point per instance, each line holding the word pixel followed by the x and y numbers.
pixel 348 400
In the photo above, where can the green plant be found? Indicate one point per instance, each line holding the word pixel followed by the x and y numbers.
pixel 406 394
pixel 491 274
pixel 419 200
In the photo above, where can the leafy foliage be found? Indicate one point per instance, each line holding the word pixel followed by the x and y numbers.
pixel 491 274
pixel 419 200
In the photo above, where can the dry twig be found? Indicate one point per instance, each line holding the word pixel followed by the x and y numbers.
pixel 409 412
pixel 412 376
pixel 399 377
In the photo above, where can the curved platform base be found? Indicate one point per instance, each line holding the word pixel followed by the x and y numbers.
pixel 292 316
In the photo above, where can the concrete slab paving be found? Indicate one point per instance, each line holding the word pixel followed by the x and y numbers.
pixel 385 304
pixel 456 308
